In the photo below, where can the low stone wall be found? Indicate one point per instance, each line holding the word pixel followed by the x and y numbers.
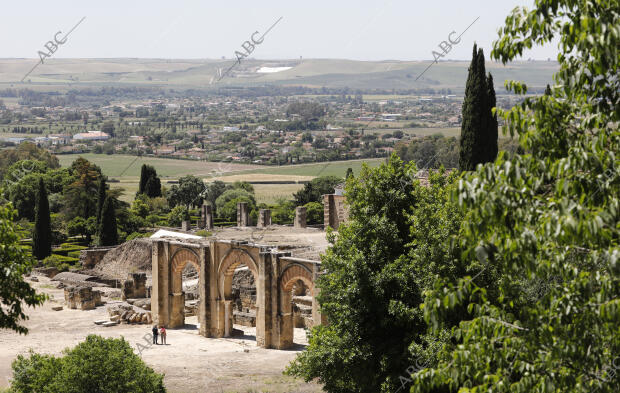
pixel 83 298
pixel 302 312
pixel 134 287
pixel 92 256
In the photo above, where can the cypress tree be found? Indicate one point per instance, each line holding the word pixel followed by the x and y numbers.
pixel 144 177
pixel 477 143
pixel 149 173
pixel 42 238
pixel 153 187
pixel 548 90
pixel 101 195
pixel 107 227
pixel 492 134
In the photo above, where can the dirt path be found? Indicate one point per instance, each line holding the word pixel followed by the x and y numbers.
pixel 190 362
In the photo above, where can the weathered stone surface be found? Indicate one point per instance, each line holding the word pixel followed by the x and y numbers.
pixel 264 218
pixel 83 298
pixel 127 313
pixel 91 257
pixel 34 279
pixel 57 308
pixel 47 271
pixel 244 318
pixel 108 324
pixel 100 322
pixel 134 286
pixel 243 214
pixel 335 211
pixel 300 217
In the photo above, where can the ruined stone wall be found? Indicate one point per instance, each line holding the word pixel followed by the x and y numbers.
pixel 335 210
pixel 134 286
pixel 91 257
pixel 244 298
pixel 83 298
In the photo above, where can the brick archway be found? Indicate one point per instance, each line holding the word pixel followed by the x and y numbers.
pixel 181 257
pixel 295 272
pixel 229 262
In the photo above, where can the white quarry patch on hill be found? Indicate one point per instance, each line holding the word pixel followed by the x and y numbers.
pixel 271 70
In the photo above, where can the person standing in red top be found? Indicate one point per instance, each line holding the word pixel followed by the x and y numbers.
pixel 162 333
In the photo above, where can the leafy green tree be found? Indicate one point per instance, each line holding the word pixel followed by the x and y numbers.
pixel 26 151
pixel 379 264
pixel 189 192
pixel 227 203
pixel 108 235
pixel 244 185
pixel 15 262
pixel 97 365
pixel 349 173
pixel 477 143
pixel 213 191
pixel 42 236
pixel 314 213
pixel 177 215
pixel 81 193
pixel 544 223
pixel 313 191
pixel 283 212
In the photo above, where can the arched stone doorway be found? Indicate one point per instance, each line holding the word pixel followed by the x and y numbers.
pixel 234 258
pixel 292 274
pixel 179 260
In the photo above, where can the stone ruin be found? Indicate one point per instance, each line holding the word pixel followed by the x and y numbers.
pixel 128 313
pixel 243 214
pixel 83 298
pixel 300 217
pixel 134 287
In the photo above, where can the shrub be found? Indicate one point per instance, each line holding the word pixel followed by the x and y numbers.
pixel 203 232
pixel 74 254
pixel 102 365
pixel 137 235
pixel 314 213
pixel 177 215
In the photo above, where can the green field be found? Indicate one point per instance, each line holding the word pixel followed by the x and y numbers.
pixel 169 169
pixel 116 165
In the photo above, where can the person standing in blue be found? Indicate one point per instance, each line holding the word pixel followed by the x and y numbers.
pixel 155 334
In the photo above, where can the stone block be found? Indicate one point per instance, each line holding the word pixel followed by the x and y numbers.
pixel 300 217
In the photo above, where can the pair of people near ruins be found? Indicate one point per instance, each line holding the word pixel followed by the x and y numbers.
pixel 159 332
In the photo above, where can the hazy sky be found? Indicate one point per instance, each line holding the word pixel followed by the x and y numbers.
pixel 350 29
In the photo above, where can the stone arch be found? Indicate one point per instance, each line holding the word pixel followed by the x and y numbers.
pixel 181 257
pixel 229 262
pixel 294 272
pixel 289 276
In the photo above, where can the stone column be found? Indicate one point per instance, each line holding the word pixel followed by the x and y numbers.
pixel 243 216
pixel 317 317
pixel 204 311
pixel 264 218
pixel 263 300
pixel 300 217
pixel 208 216
pixel 186 225
pixel 160 309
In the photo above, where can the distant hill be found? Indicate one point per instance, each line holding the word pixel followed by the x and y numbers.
pixel 314 73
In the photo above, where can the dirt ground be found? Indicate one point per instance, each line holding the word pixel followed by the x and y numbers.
pixel 190 362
